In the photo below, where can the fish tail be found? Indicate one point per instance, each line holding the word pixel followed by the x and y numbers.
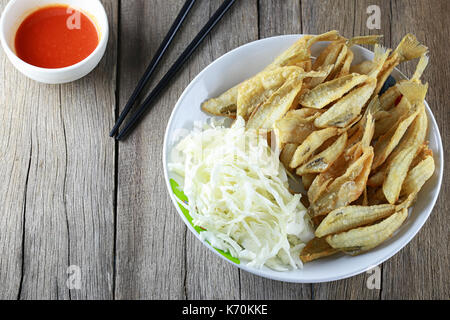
pixel 410 48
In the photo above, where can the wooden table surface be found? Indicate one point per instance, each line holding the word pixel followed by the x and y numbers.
pixel 72 196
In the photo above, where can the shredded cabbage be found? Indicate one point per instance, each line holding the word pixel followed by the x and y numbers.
pixel 238 192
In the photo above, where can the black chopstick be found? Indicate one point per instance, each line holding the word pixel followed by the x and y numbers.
pixel 154 63
pixel 176 67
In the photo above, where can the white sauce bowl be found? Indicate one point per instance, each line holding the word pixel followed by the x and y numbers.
pixel 15 13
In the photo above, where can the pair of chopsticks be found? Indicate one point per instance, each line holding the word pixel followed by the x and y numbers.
pixel 154 94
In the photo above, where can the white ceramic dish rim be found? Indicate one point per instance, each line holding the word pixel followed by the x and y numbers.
pixel 279 275
pixel 104 38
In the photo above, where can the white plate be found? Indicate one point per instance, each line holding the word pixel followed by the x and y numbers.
pixel 244 62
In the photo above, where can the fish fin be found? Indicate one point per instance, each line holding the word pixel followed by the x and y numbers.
pixel 413 91
pixel 372 39
pixel 421 65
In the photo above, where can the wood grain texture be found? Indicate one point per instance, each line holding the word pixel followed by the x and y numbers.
pixel 172 270
pixel 206 274
pixel 361 16
pixel 64 172
pixel 88 106
pixel 279 18
pixel 46 246
pixel 276 18
pixel 72 196
pixel 319 17
pixel 150 244
pixel 15 153
pixel 420 270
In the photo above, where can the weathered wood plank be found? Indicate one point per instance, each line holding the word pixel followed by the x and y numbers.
pixel 420 270
pixel 88 107
pixel 258 288
pixel 208 276
pixel 344 16
pixel 174 264
pixel 361 17
pixel 150 240
pixel 46 252
pixel 64 172
pixel 150 237
pixel 57 199
pixel 15 152
pixel 22 101
pixel 275 18
pixel 360 289
pixel 319 16
pixel 279 18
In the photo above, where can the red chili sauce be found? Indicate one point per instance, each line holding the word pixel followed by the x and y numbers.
pixel 56 36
